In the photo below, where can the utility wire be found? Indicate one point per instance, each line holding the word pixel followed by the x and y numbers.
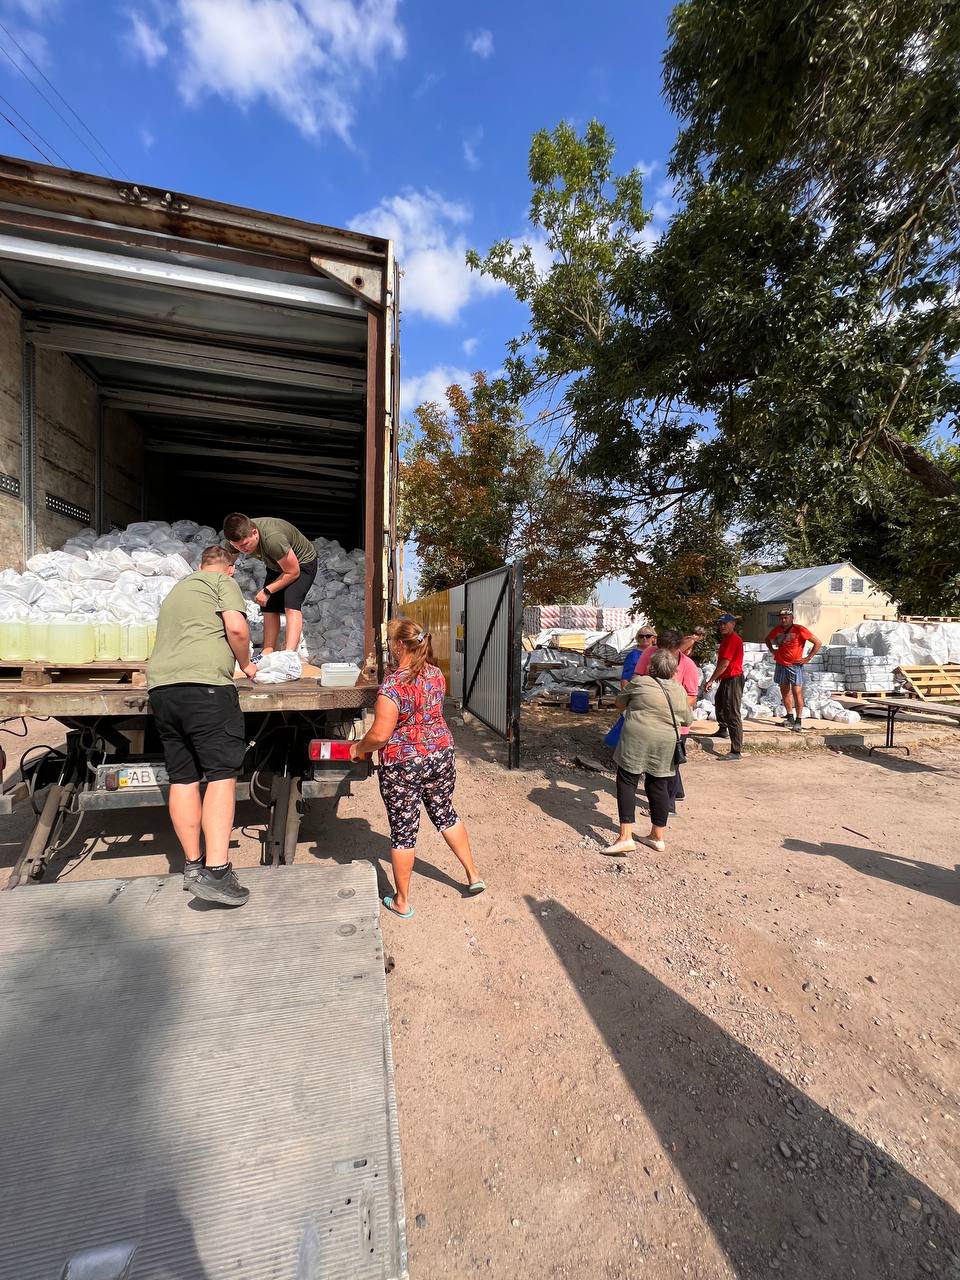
pixel 28 141
pixel 111 159
pixel 34 129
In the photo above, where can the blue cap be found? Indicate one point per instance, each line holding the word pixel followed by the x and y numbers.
pixel 727 617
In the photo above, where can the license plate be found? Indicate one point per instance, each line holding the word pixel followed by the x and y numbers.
pixel 141 775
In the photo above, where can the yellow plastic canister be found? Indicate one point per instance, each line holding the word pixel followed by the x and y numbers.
pixel 109 641
pixel 134 646
pixel 72 642
pixel 13 641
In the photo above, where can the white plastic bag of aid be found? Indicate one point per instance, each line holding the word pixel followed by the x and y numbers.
pixel 278 668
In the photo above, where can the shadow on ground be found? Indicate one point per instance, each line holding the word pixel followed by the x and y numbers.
pixel 908 873
pixel 347 840
pixel 787 1189
pixel 860 750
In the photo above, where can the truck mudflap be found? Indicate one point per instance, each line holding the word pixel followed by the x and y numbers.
pixel 334 779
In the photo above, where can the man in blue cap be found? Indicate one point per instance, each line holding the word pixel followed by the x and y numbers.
pixel 728 677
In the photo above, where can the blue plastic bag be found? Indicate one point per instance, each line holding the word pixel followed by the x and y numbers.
pixel 613 736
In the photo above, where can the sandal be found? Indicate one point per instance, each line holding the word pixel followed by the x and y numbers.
pixel 388 903
pixel 478 886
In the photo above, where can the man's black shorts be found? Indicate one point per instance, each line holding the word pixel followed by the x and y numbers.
pixel 291 597
pixel 201 730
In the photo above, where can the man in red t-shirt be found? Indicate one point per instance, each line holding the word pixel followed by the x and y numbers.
pixel 787 642
pixel 728 677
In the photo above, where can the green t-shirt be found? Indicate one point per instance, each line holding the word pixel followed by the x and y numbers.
pixel 192 646
pixel 277 537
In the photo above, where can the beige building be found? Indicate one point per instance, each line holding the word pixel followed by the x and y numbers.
pixel 824 599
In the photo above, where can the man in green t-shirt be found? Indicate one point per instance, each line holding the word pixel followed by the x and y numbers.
pixel 291 561
pixel 202 634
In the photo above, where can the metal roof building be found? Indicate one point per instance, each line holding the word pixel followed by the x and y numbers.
pixel 825 598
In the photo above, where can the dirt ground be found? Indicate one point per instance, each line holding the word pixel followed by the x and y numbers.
pixel 738 1058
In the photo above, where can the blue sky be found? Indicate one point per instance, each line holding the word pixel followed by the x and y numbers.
pixel 404 119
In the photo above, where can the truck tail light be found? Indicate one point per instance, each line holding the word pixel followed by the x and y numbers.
pixel 328 749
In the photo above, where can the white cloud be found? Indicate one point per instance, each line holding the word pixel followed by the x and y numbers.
pixel 417 389
pixel 648 168
pixel 470 346
pixel 304 58
pixel 147 139
pixel 481 43
pixel 470 144
pixel 431 248
pixel 34 10
pixel 144 40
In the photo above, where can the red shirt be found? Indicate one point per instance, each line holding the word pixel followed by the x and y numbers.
pixel 731 648
pixel 790 649
pixel 421 728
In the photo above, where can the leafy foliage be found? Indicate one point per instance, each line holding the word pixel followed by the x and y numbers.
pixel 781 362
pixel 689 575
pixel 477 492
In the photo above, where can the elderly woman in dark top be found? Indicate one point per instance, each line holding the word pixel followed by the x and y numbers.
pixel 654 708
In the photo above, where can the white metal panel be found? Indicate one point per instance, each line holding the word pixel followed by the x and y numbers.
pixel 489 675
pixel 457 622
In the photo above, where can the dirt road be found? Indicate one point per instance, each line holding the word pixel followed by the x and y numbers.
pixel 737 1058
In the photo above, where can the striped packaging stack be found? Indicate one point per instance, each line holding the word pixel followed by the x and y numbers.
pixel 615 619
pixel 540 617
pixel 578 617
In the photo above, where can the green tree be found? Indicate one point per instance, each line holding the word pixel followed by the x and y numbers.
pixel 689 574
pixel 477 492
pixel 764 353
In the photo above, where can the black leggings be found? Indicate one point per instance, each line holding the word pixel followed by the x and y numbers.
pixel 658 797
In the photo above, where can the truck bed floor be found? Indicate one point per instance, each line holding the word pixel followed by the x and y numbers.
pixel 208 1089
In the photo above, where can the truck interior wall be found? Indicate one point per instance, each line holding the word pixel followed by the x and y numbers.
pixel 11 509
pixel 123 469
pixel 66 445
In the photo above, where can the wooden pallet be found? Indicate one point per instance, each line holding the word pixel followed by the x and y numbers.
pixel 924 617
pixel 36 675
pixel 934 683
pixel 865 693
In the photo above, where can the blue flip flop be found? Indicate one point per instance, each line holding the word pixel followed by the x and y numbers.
pixel 388 903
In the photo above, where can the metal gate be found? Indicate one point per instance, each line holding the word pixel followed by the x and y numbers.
pixel 492 674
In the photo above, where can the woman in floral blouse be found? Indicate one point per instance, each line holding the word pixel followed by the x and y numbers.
pixel 417 762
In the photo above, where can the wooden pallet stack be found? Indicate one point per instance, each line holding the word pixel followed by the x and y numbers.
pixel 35 675
pixel 933 683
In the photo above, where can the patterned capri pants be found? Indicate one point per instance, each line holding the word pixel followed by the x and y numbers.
pixel 404 784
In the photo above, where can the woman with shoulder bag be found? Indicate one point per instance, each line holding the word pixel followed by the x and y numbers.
pixel 654 708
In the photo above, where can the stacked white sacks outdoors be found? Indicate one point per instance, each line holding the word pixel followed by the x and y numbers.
pixel 905 644
pixel 99 597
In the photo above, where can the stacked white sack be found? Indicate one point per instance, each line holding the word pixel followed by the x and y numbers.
pixel 761 694
pixel 124 576
pixel 905 644
pixel 119 577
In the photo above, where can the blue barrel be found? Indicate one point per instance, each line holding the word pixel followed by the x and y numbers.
pixel 579 701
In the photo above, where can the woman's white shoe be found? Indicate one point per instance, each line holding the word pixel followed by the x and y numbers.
pixel 653 844
pixel 621 846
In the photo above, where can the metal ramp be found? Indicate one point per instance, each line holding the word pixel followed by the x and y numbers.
pixel 196 1093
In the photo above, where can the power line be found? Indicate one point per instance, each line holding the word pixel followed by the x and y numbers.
pixel 28 141
pixel 33 129
pixel 111 159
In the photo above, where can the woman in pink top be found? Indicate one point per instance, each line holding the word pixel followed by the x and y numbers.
pixel 417 763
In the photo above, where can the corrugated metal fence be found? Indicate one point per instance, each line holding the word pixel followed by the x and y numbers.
pixel 491 647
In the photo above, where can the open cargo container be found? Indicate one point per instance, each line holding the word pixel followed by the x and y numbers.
pixel 163 356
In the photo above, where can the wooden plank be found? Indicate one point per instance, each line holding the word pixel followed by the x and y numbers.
pixel 933 682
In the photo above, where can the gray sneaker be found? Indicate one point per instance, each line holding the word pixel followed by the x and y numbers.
pixel 191 872
pixel 225 888
pixel 797 726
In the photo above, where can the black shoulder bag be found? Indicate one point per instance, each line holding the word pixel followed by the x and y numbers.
pixel 680 751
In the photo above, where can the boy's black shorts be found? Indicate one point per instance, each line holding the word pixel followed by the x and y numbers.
pixel 291 597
